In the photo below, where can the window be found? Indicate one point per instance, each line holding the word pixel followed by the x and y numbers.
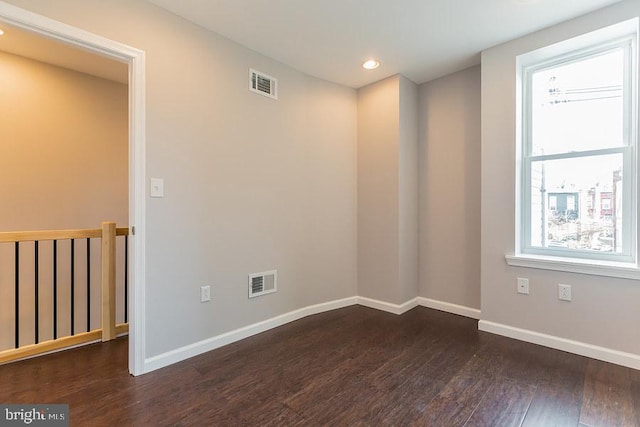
pixel 578 164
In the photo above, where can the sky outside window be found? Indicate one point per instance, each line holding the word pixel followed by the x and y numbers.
pixel 578 106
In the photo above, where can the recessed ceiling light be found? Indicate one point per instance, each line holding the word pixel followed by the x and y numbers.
pixel 1 32
pixel 371 64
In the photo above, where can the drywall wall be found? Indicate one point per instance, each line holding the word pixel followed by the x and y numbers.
pixel 387 190
pixel 604 311
pixel 408 189
pixel 378 183
pixel 251 183
pixel 449 158
pixel 64 148
pixel 64 158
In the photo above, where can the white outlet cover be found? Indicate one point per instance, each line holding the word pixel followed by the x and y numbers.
pixel 523 286
pixel 564 292
pixel 205 293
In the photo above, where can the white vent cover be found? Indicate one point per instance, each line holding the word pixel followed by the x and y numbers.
pixel 263 84
pixel 263 283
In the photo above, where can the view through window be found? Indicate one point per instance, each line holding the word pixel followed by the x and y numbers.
pixel 576 151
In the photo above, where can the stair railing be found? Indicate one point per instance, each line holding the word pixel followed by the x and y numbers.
pixel 108 330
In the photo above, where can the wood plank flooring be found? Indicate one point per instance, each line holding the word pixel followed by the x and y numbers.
pixel 349 367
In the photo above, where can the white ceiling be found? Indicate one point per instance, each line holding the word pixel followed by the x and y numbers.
pixel 421 39
pixel 30 45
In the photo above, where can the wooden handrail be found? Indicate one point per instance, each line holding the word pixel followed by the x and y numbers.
pixel 108 330
pixel 108 281
pixel 42 235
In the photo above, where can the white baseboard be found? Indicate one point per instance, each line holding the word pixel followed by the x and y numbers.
pixel 583 349
pixel 191 350
pixel 188 351
pixel 387 306
pixel 461 310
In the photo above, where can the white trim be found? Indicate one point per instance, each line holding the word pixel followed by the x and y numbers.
pixel 191 350
pixel 460 310
pixel 195 349
pixel 447 307
pixel 583 349
pixel 592 267
pixel 135 58
pixel 623 36
pixel 387 306
pixel 137 214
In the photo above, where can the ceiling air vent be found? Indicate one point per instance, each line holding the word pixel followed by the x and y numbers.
pixel 263 84
pixel 262 283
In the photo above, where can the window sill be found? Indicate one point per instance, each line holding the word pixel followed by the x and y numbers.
pixel 573 265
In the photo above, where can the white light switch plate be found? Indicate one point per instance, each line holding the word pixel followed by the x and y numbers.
pixel 157 187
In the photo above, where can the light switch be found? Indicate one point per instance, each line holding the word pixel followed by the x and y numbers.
pixel 157 187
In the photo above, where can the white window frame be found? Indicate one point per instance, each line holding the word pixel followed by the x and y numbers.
pixel 623 35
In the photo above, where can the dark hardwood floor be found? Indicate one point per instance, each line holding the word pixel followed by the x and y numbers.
pixel 349 367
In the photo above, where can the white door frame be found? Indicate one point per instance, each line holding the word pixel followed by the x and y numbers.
pixel 135 58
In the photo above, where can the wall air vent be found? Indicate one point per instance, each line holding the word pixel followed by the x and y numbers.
pixel 263 84
pixel 263 283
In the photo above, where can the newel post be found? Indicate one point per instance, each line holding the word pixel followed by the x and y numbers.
pixel 108 281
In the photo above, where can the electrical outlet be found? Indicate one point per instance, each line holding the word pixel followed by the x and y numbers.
pixel 523 286
pixel 205 293
pixel 564 292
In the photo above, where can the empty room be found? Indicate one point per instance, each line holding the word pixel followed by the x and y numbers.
pixel 340 213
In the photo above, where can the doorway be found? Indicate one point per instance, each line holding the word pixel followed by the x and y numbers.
pixel 53 30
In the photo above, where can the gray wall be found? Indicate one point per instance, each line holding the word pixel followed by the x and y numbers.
pixel 408 189
pixel 604 311
pixel 251 184
pixel 449 167
pixel 388 190
pixel 378 199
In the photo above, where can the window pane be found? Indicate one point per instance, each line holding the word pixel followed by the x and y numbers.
pixel 578 106
pixel 577 203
